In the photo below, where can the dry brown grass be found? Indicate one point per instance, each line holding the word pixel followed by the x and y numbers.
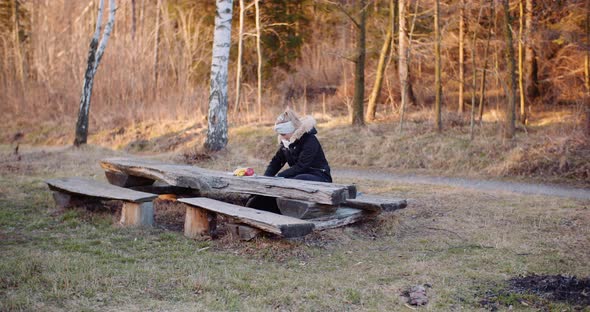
pixel 462 243
pixel 551 148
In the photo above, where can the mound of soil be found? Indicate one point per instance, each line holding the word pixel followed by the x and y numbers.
pixel 554 287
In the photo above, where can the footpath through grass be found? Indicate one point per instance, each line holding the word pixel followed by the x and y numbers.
pixel 464 244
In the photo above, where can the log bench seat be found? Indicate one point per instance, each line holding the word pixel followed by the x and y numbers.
pixel 137 206
pixel 311 210
pixel 201 218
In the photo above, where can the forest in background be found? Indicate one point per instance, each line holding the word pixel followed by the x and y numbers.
pixel 157 64
pixel 306 52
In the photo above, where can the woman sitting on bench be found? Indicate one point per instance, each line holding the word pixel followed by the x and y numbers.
pixel 300 148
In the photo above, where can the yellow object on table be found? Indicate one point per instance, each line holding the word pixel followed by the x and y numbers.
pixel 240 172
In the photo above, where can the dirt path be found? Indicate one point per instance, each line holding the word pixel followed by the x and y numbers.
pixel 474 184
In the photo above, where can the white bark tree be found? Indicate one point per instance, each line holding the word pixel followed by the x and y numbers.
pixel 217 121
pixel 95 54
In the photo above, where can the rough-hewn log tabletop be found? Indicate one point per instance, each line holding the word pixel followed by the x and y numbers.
pixel 211 180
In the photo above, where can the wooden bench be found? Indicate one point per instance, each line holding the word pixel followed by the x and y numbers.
pixel 201 213
pixel 137 206
pixel 310 210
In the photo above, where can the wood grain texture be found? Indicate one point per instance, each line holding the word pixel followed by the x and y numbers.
pixel 209 180
pixel 125 180
pixel 269 222
pixel 303 209
pixel 199 222
pixel 342 217
pixel 93 188
pixel 242 232
pixel 137 214
pixel 376 203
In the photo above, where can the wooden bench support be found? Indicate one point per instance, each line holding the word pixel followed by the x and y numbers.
pixel 137 214
pixel 304 209
pixel 62 200
pixel 243 232
pixel 125 180
pixel 199 222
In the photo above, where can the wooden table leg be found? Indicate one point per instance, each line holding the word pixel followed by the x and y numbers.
pixel 199 222
pixel 137 214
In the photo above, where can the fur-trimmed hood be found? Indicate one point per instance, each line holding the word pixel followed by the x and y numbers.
pixel 308 124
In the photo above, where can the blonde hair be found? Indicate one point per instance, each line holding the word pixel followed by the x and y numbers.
pixel 289 115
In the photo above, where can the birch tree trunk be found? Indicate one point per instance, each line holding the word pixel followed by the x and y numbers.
pixel 217 120
pixel 521 52
pixel 383 60
pixel 511 105
pixel 239 60
pixel 437 68
pixel 462 56
pixel 95 54
pixel 157 44
pixel 359 77
pixel 259 55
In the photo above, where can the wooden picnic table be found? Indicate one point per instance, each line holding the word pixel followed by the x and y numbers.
pixel 322 205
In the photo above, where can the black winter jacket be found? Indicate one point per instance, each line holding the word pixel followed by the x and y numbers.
pixel 304 155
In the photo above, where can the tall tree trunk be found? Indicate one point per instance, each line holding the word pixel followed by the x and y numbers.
pixel 239 60
pixel 157 44
pixel 217 120
pixel 95 54
pixel 437 68
pixel 407 98
pixel 462 57
pixel 259 54
pixel 531 68
pixel 383 60
pixel 17 49
pixel 587 68
pixel 511 107
pixel 133 20
pixel 587 56
pixel 474 76
pixel 359 76
pixel 521 52
pixel 482 85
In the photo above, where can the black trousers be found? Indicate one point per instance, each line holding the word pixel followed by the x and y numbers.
pixel 269 204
